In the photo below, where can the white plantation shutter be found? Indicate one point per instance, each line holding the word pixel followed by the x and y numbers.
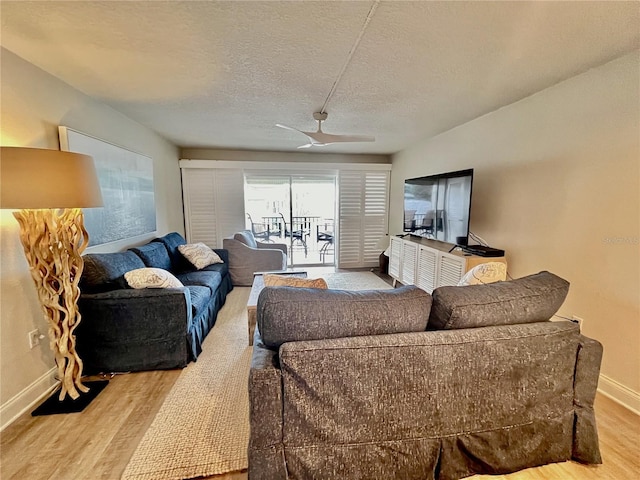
pixel 230 217
pixel 376 204
pixel 198 201
pixel 213 204
pixel 362 216
pixel 350 193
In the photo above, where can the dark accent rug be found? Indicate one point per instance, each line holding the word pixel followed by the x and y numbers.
pixel 52 405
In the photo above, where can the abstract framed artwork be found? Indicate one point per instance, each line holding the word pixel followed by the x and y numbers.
pixel 126 180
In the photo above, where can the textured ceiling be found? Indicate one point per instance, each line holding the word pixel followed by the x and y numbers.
pixel 221 74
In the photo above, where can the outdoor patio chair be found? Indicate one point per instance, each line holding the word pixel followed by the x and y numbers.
pixel 261 231
pixel 296 234
pixel 324 235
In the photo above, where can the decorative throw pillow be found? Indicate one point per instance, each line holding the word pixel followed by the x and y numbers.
pixel 271 280
pixel 199 254
pixel 485 273
pixel 151 278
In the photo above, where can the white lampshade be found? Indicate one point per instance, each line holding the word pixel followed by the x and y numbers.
pixel 35 178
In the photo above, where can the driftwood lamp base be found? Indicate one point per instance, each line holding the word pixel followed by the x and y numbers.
pixel 53 241
pixel 53 405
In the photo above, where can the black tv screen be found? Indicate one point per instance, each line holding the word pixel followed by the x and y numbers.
pixel 439 206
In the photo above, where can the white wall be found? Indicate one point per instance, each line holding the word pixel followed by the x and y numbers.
pixel 557 182
pixel 33 104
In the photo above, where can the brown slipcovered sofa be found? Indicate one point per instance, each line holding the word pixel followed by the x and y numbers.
pixel 349 385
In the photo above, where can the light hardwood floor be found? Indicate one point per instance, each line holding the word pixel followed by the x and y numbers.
pixel 97 443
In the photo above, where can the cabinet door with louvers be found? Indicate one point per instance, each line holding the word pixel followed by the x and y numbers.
pixel 427 268
pixel 450 270
pixel 396 245
pixel 213 204
pixel 409 263
pixel 363 216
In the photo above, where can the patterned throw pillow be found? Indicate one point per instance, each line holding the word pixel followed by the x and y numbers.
pixel 485 273
pixel 271 280
pixel 199 254
pixel 151 278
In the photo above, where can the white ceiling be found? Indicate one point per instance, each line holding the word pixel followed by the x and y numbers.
pixel 221 74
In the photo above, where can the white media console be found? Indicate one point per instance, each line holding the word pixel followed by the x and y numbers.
pixel 428 264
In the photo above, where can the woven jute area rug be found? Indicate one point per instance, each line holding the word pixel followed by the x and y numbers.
pixel 354 281
pixel 202 428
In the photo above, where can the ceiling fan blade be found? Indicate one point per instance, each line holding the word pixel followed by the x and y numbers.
pixel 327 138
pixel 321 139
pixel 289 128
pixel 354 138
pixel 312 140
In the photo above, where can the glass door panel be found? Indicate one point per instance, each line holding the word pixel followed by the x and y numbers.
pixel 298 210
pixel 265 198
pixel 313 214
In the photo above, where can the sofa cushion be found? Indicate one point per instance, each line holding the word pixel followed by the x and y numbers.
pixel 200 298
pixel 271 280
pixel 287 314
pixel 246 237
pixel 221 268
pixel 199 255
pixel 535 298
pixel 150 277
pixel 201 278
pixel 171 242
pixel 105 271
pixel 153 254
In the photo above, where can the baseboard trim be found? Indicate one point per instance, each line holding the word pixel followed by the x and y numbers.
pixel 28 398
pixel 617 392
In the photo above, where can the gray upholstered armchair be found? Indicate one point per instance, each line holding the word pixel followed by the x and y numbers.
pixel 247 256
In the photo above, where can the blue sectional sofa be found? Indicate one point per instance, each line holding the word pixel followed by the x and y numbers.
pixel 124 330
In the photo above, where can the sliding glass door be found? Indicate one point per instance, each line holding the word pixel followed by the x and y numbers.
pixel 298 210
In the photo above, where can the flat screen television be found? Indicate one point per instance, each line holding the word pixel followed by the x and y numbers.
pixel 439 206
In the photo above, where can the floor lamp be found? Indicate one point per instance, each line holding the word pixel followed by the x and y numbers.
pixel 50 187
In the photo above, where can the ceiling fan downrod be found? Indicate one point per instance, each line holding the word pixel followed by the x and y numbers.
pixel 320 117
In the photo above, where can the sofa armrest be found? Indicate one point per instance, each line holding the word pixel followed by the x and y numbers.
pixel 223 254
pixel 245 260
pixel 266 452
pixel 265 259
pixel 273 246
pixel 125 330
pixel 265 398
pixel 585 442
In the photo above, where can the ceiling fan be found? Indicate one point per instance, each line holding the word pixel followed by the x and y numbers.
pixel 321 139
